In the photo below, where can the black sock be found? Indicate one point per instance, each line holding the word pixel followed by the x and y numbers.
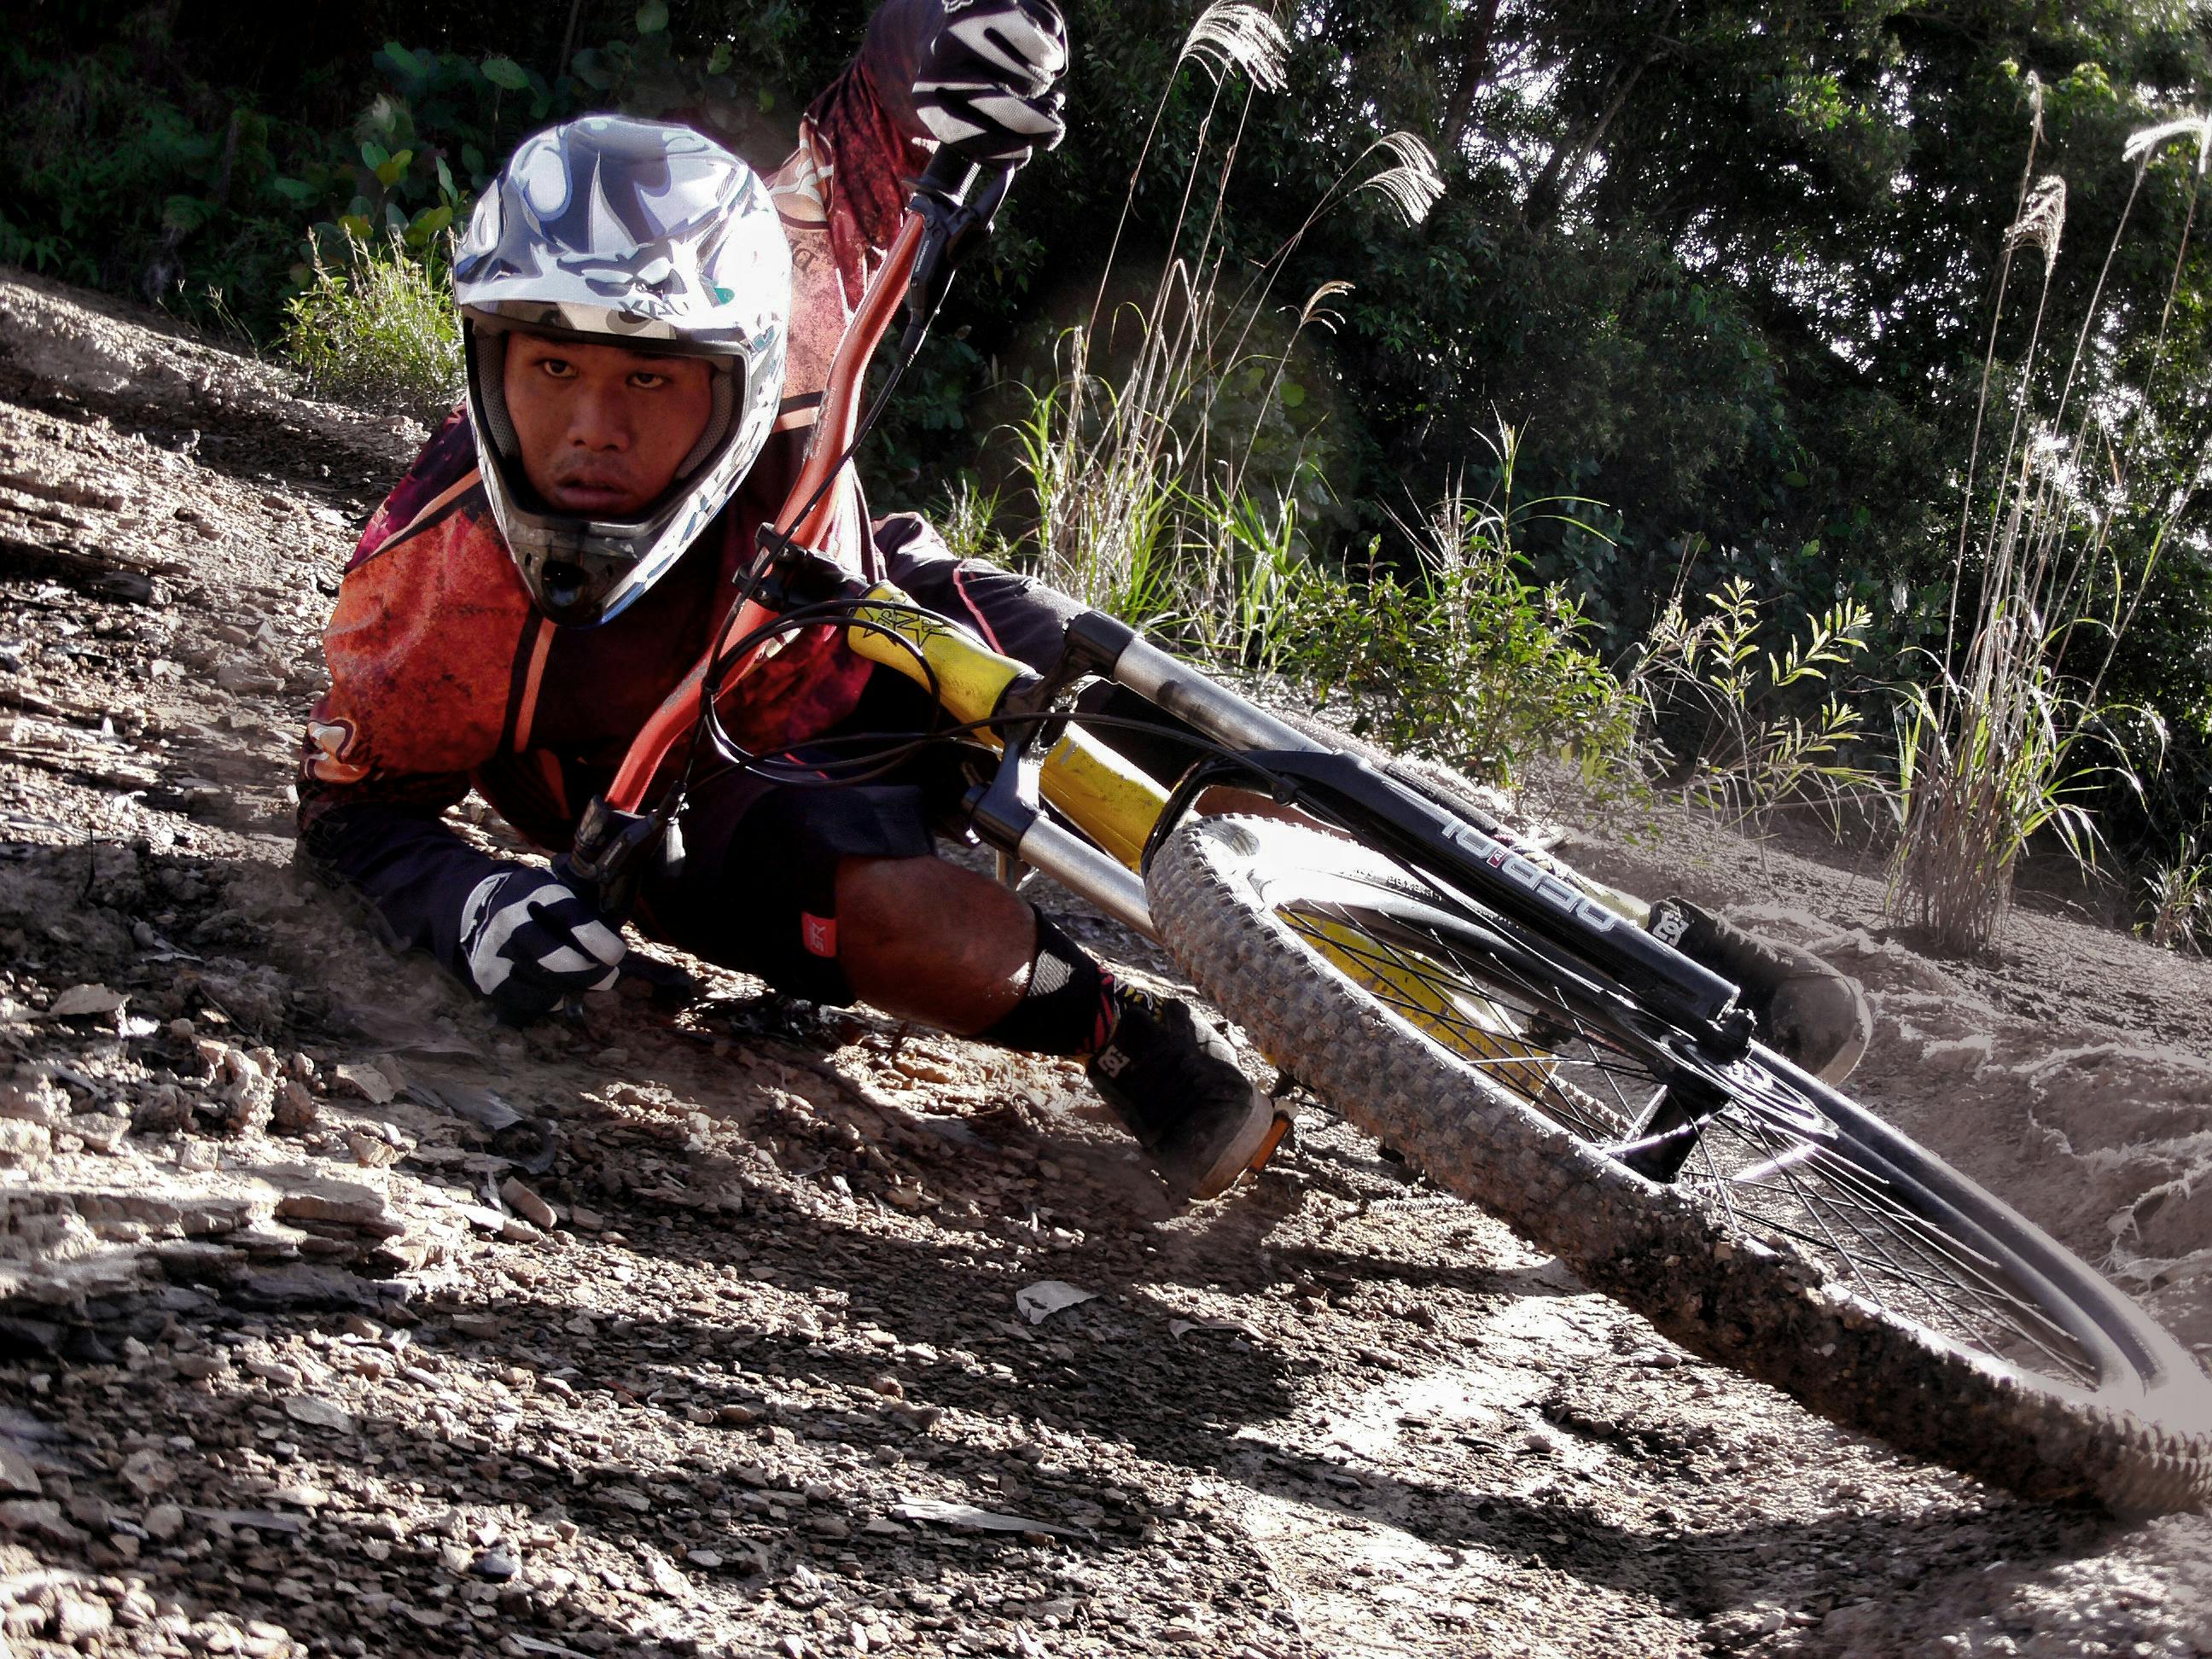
pixel 1068 1007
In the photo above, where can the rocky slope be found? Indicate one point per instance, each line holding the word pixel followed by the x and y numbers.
pixel 334 1319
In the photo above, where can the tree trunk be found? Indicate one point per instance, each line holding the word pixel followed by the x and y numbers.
pixel 1473 76
pixel 1548 195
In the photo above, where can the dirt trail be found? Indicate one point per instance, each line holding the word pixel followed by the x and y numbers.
pixel 334 1319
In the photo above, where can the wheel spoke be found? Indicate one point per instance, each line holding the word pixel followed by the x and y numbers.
pixel 1763 1173
pixel 1887 1235
pixel 1719 1188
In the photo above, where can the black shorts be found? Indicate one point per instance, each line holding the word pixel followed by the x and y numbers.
pixel 756 888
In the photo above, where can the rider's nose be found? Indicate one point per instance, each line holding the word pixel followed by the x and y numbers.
pixel 598 420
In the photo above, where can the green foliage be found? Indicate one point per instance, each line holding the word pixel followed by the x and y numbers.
pixel 379 329
pixel 1740 321
pixel 111 187
pixel 1103 487
pixel 1464 660
pixel 2180 894
pixel 139 166
pixel 1757 746
pixel 968 521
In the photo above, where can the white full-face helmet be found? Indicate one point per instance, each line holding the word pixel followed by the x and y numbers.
pixel 647 235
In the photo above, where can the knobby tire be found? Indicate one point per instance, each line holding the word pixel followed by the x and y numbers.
pixel 1945 1323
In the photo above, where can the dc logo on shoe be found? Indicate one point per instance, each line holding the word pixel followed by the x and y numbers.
pixel 1111 1060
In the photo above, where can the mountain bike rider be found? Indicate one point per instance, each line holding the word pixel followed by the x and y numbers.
pixel 649 326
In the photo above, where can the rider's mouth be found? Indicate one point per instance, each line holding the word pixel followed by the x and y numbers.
pixel 603 499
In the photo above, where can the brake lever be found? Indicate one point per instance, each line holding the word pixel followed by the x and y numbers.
pixel 957 201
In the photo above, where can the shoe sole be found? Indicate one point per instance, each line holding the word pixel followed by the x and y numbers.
pixel 1254 1144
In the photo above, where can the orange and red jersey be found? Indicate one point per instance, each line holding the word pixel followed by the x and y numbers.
pixel 444 676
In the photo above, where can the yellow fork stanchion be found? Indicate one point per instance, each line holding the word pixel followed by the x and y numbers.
pixel 1113 803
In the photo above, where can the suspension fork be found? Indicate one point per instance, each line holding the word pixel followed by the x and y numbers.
pixel 1494 869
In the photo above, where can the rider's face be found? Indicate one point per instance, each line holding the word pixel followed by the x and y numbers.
pixel 603 429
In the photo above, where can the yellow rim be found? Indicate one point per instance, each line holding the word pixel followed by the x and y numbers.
pixel 1432 999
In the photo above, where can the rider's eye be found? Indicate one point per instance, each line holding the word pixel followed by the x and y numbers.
pixel 647 381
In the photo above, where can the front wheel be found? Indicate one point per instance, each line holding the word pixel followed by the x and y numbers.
pixel 1801 1240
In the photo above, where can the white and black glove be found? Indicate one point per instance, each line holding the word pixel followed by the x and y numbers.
pixel 529 944
pixel 988 86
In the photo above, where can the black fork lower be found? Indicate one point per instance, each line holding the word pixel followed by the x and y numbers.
pixel 1669 1134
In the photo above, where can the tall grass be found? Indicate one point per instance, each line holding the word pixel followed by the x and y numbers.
pixel 1153 499
pixel 2179 898
pixel 1147 499
pixel 379 329
pixel 2010 734
pixel 2180 894
pixel 1106 471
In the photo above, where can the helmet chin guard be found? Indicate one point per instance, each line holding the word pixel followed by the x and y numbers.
pixel 640 235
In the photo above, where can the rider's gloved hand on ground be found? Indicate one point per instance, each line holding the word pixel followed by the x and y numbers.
pixel 986 80
pixel 531 944
pixel 1809 1012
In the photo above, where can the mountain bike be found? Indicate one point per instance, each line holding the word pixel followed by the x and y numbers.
pixel 1482 1009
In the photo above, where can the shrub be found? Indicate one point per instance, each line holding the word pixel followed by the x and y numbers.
pixel 1466 660
pixel 1755 751
pixel 2180 900
pixel 380 329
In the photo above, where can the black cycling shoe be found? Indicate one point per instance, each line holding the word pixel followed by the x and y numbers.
pixel 1173 1080
pixel 1808 1012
